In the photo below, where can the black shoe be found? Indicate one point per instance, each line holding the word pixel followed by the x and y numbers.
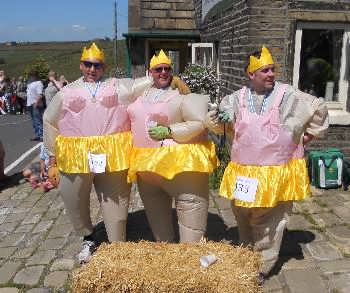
pixel 36 139
pixel 261 279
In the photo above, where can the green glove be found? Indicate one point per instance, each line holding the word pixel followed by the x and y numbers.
pixel 159 132
pixel 224 117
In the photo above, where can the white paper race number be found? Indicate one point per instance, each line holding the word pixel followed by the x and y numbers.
pixel 245 188
pixel 97 162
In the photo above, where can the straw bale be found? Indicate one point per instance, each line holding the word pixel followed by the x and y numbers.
pixel 168 268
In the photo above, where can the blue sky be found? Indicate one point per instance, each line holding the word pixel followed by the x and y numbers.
pixel 60 20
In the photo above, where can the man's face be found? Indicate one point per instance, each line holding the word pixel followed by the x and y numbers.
pixel 92 70
pixel 263 78
pixel 162 75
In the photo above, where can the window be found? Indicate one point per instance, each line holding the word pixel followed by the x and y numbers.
pixel 174 55
pixel 203 54
pixel 321 61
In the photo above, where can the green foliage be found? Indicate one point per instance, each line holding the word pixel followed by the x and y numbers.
pixel 41 66
pixel 224 157
pixel 62 57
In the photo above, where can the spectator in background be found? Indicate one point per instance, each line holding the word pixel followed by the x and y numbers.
pixel 12 90
pixel 3 177
pixel 53 87
pixel 21 94
pixel 63 80
pixel 4 83
pixel 35 104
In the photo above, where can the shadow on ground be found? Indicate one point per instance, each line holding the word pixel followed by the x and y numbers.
pixel 138 229
pixel 11 181
pixel 291 247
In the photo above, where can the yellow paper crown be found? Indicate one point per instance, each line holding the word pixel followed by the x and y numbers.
pixel 265 59
pixel 162 58
pixel 92 53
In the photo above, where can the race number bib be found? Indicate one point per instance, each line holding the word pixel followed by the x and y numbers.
pixel 97 162
pixel 245 188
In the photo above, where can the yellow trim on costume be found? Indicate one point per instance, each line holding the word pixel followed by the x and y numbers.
pixel 265 59
pixel 168 161
pixel 276 183
pixel 162 58
pixel 72 152
pixel 92 53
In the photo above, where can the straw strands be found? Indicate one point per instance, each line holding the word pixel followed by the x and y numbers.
pixel 168 268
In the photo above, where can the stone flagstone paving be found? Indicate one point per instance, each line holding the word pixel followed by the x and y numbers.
pixel 38 245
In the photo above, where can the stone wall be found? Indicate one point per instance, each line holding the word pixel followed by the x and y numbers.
pixel 243 28
pixel 337 136
pixel 161 15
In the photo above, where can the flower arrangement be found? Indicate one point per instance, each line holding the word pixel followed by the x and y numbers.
pixel 202 79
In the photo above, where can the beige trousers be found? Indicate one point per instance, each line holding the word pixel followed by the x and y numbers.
pixel 262 228
pixel 190 191
pixel 113 193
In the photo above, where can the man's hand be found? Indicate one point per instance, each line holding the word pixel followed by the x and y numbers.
pixel 307 138
pixel 212 119
pixel 179 84
pixel 159 132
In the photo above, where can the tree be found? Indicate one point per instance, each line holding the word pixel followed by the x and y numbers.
pixel 41 66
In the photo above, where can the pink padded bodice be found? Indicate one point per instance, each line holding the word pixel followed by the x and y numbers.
pixel 261 139
pixel 82 115
pixel 144 114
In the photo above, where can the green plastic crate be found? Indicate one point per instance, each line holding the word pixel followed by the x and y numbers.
pixel 325 168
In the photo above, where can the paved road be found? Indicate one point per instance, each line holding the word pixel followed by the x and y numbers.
pixel 15 134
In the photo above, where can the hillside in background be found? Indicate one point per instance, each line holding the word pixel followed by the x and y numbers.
pixel 62 57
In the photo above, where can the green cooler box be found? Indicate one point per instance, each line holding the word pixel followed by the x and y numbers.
pixel 325 168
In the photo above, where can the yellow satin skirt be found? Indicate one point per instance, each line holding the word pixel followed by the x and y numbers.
pixel 167 161
pixel 72 152
pixel 275 183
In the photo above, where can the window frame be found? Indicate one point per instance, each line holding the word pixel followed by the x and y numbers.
pixel 194 46
pixel 344 61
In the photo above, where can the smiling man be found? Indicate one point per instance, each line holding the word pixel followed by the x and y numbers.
pixel 172 156
pixel 271 122
pixel 87 127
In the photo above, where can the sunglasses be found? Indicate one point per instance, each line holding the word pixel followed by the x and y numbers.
pixel 89 64
pixel 160 69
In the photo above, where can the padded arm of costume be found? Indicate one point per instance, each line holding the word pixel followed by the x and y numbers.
pixel 129 89
pixel 50 122
pixel 314 111
pixel 194 108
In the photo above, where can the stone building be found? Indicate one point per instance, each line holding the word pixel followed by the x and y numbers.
pixel 308 39
pixel 156 24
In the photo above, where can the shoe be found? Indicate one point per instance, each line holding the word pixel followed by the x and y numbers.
pixel 87 249
pixel 261 279
pixel 36 139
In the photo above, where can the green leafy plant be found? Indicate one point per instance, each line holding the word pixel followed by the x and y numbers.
pixel 41 66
